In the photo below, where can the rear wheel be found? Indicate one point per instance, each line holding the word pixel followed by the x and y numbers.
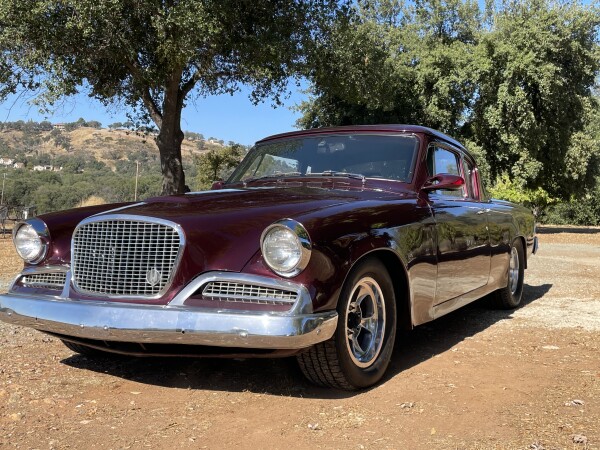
pixel 510 296
pixel 360 350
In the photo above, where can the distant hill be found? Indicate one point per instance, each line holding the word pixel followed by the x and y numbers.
pixel 34 147
pixel 48 167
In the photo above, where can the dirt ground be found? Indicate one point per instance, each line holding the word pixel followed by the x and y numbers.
pixel 476 379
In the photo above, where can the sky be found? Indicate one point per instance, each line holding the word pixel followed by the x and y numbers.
pixel 227 117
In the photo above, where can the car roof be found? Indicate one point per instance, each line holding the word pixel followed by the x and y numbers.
pixel 386 128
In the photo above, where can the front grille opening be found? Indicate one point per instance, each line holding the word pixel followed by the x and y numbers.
pixel 236 292
pixel 54 280
pixel 122 257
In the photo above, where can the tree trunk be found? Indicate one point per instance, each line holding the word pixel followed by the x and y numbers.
pixel 170 138
pixel 169 145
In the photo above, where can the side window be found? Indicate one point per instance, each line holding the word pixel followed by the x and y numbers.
pixel 440 160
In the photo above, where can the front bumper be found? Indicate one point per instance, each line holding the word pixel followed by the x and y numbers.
pixel 121 322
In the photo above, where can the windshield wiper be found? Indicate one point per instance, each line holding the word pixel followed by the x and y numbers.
pixel 336 173
pixel 273 175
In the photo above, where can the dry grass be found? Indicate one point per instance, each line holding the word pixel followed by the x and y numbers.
pixel 94 200
pixel 10 263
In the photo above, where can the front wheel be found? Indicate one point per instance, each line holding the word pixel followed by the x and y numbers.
pixel 510 296
pixel 359 352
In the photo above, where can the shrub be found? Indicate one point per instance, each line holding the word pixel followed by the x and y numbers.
pixel 584 210
pixel 536 199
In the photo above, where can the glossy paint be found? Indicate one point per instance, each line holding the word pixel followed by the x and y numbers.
pixel 442 252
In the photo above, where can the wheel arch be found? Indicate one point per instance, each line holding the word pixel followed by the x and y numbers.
pixel 524 247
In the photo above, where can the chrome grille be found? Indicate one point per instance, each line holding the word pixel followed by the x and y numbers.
pixel 54 280
pixel 248 293
pixel 124 257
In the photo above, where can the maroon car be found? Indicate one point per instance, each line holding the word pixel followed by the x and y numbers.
pixel 321 244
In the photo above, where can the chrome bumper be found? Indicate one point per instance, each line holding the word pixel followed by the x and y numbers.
pixel 111 321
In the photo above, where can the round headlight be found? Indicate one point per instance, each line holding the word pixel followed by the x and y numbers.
pixel 28 243
pixel 286 247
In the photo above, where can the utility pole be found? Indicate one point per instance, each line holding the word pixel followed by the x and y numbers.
pixel 3 182
pixel 137 173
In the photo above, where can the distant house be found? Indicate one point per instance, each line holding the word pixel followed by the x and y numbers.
pixel 19 165
pixel 43 168
pixel 58 126
pixel 7 161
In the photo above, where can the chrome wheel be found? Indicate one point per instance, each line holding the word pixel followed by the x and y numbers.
pixel 365 322
pixel 359 352
pixel 513 271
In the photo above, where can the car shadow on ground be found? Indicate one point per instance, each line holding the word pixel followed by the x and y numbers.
pixel 283 376
pixel 433 338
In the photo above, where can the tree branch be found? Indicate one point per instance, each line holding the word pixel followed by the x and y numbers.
pixel 149 102
pixel 189 84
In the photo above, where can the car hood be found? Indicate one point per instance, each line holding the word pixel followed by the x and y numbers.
pixel 222 228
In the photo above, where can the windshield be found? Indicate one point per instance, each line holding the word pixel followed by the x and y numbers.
pixel 370 155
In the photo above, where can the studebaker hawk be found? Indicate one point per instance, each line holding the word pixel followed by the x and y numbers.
pixel 321 244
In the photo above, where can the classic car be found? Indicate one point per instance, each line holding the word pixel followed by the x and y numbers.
pixel 321 244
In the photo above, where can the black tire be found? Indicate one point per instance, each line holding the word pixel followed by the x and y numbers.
pixel 510 296
pixel 84 349
pixel 338 362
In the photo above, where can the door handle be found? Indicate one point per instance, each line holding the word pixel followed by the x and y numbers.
pixel 483 211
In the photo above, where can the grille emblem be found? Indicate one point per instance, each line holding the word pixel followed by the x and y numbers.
pixel 153 277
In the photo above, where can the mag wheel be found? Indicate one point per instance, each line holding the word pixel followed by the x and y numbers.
pixel 360 350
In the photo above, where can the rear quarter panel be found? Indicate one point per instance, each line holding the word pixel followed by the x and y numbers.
pixel 507 221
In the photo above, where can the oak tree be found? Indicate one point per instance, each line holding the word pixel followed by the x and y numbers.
pixel 153 56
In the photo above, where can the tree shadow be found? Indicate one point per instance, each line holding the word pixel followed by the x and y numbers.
pixel 282 376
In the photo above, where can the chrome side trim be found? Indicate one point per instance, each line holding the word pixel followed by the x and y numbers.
pixel 120 208
pixel 132 217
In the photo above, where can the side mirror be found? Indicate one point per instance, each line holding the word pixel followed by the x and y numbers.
pixel 217 185
pixel 443 181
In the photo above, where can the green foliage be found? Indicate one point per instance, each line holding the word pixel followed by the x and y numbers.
pixel 217 165
pixel 396 63
pixel 536 70
pixel 506 189
pixel 576 211
pixel 515 82
pixel 54 191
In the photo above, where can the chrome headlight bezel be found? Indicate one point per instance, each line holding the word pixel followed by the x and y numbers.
pixel 301 240
pixel 41 230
